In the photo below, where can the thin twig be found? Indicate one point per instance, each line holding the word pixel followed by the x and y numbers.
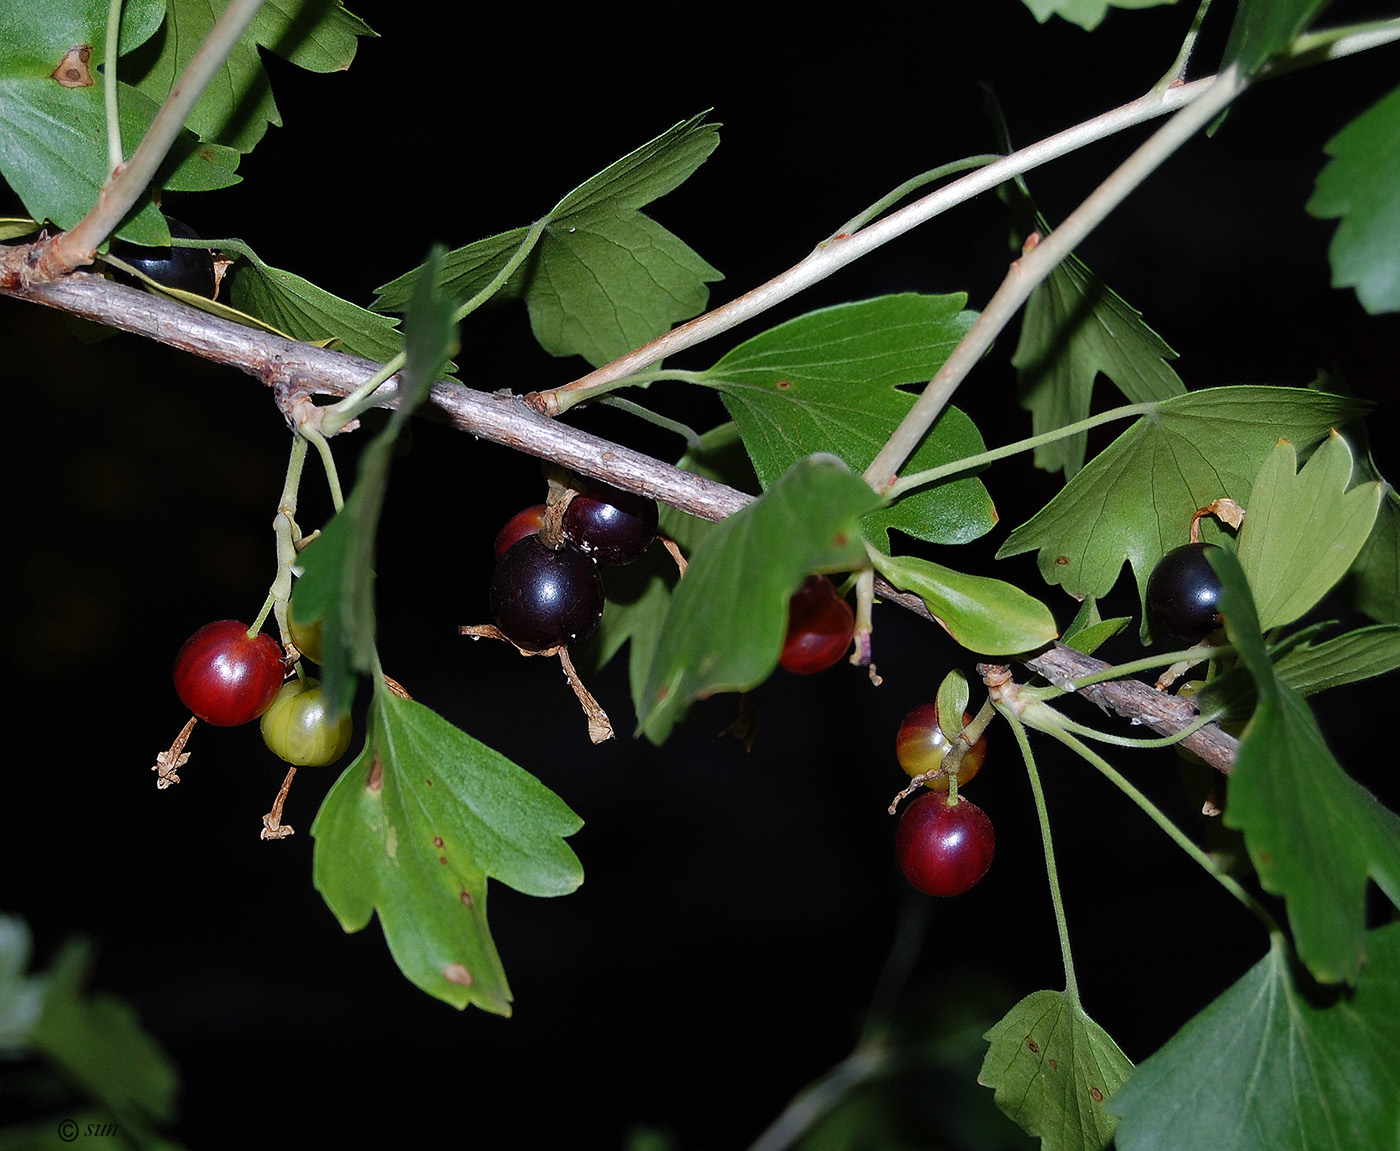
pixel 1038 262
pixel 832 255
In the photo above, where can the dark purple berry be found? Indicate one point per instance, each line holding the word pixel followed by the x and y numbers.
pixel 1183 594
pixel 188 269
pixel 612 526
pixel 543 599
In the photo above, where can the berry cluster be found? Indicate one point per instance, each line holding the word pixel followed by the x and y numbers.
pixel 944 843
pixel 546 592
pixel 228 676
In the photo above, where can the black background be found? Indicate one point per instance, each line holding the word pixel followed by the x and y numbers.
pixel 738 907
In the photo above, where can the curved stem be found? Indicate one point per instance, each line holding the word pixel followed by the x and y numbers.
pixel 560 402
pixel 972 463
pixel 894 196
pixel 115 154
pixel 1177 71
pixel 1127 741
pixel 685 431
pixel 527 245
pixel 1042 813
pixel 1121 670
pixel 1177 836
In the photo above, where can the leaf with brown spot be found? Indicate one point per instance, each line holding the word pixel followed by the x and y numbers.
pixel 448 814
pixel 1053 1068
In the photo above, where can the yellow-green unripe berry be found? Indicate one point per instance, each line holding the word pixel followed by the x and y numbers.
pixel 299 727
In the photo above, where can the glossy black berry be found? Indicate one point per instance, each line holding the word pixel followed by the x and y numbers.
pixel 188 269
pixel 1183 594
pixel 612 526
pixel 542 598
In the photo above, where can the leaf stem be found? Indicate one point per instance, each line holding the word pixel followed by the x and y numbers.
pixel 115 154
pixel 560 402
pixel 893 197
pixel 1120 670
pixel 1177 71
pixel 981 460
pixel 685 431
pixel 1042 813
pixel 1038 261
pixel 1040 715
pixel 527 245
pixel 288 535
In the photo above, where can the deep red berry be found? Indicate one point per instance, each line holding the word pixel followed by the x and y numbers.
pixel 543 599
pixel 522 524
pixel 922 744
pixel 614 527
pixel 227 677
pixel 943 848
pixel 1183 594
pixel 820 627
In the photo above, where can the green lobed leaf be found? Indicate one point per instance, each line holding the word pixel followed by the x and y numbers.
pixel 299 309
pixel 1360 186
pixel 1302 531
pixel 829 381
pixel 1264 28
pixel 985 615
pixel 601 285
pixel 1075 327
pixel 1361 654
pixel 1272 1065
pixel 1134 501
pixel 53 139
pixel 1054 1071
pixel 336 585
pixel 1088 631
pixel 602 278
pixel 724 627
pixel 237 107
pixel 1375 576
pixel 1313 833
pixel 464 272
pixel 413 830
pixel 1088 14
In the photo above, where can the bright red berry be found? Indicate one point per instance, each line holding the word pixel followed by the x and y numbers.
pixel 820 627
pixel 944 848
pixel 227 677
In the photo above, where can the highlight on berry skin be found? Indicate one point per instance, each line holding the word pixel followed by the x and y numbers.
pixel 820 628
